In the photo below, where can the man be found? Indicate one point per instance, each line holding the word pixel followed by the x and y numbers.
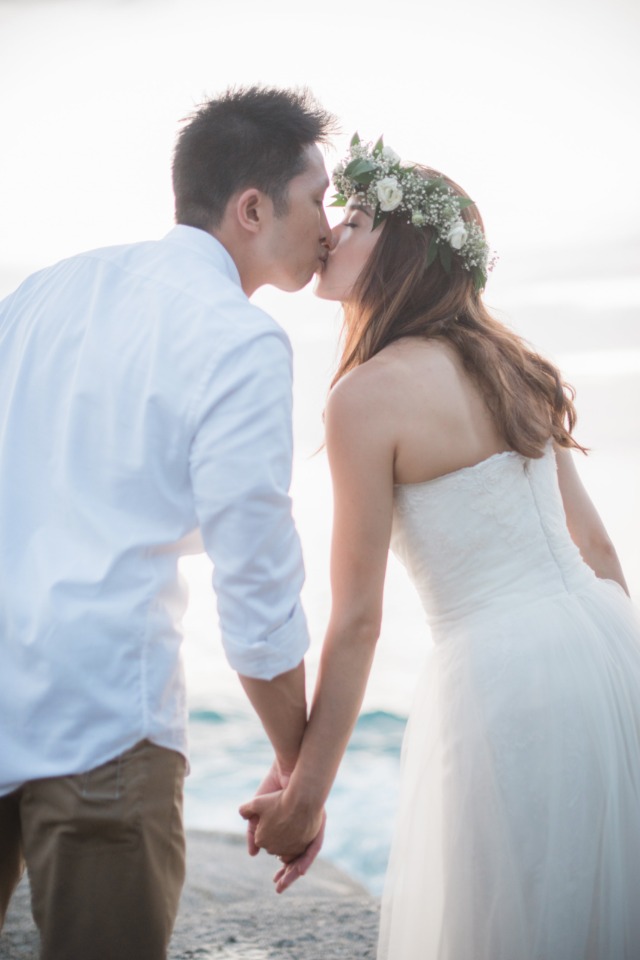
pixel 142 397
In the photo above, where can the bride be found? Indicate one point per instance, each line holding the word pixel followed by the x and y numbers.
pixel 450 440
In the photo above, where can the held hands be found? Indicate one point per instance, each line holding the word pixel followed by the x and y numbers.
pixel 293 831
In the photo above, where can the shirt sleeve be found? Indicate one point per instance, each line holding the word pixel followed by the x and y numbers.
pixel 240 467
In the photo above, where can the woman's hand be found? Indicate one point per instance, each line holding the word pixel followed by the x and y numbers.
pixel 280 825
pixel 292 871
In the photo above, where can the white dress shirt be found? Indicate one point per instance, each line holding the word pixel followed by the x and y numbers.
pixel 142 396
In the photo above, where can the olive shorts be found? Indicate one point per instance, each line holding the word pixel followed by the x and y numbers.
pixel 105 855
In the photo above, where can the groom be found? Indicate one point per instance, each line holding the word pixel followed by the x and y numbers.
pixel 142 396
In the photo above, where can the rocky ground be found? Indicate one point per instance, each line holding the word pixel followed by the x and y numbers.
pixel 230 912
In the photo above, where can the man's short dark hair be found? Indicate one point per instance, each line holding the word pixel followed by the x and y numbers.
pixel 248 137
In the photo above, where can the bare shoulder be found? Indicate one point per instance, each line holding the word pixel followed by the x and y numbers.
pixel 360 410
pixel 360 390
pixel 391 382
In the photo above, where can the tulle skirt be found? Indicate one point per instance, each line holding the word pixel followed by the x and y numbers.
pixel 518 830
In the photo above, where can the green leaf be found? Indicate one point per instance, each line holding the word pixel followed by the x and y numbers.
pixel 432 252
pixel 464 203
pixel 378 217
pixel 361 171
pixel 355 140
pixel 479 278
pixel 357 167
pixel 338 201
pixel 379 146
pixel 436 184
pixel 445 257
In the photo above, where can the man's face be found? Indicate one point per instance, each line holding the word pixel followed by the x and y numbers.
pixel 298 242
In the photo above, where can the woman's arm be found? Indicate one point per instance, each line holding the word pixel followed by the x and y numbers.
pixel 360 448
pixel 585 526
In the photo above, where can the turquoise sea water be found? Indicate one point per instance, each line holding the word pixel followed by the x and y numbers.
pixel 229 755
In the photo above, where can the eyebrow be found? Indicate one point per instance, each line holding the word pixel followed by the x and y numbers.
pixel 358 206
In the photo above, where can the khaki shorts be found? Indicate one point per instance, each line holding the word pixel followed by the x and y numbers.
pixel 105 855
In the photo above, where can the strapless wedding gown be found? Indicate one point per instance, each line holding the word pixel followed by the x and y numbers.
pixel 518 831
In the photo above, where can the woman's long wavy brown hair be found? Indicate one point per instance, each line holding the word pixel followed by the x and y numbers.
pixel 397 295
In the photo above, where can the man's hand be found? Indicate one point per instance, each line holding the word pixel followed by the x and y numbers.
pixel 274 781
pixel 284 828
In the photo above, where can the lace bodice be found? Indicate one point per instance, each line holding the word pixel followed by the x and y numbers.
pixel 486 538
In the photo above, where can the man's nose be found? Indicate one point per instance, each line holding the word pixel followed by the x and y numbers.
pixel 328 239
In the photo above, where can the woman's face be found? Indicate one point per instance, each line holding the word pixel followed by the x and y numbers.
pixel 353 242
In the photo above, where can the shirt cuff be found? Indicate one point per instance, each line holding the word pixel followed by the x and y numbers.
pixel 280 651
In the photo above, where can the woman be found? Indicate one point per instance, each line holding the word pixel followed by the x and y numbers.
pixel 518 834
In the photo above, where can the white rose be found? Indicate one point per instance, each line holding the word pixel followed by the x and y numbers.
pixel 457 236
pixel 389 193
pixel 390 155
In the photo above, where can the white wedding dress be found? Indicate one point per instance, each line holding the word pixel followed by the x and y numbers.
pixel 518 830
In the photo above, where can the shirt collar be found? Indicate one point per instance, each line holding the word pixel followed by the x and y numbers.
pixel 199 241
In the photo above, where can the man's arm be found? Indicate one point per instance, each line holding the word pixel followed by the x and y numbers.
pixel 240 469
pixel 281 705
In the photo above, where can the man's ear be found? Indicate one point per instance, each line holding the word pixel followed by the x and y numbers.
pixel 252 207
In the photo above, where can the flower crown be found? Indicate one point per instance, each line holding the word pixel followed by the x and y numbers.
pixel 388 185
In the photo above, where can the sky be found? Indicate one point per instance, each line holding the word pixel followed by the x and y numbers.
pixel 530 106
